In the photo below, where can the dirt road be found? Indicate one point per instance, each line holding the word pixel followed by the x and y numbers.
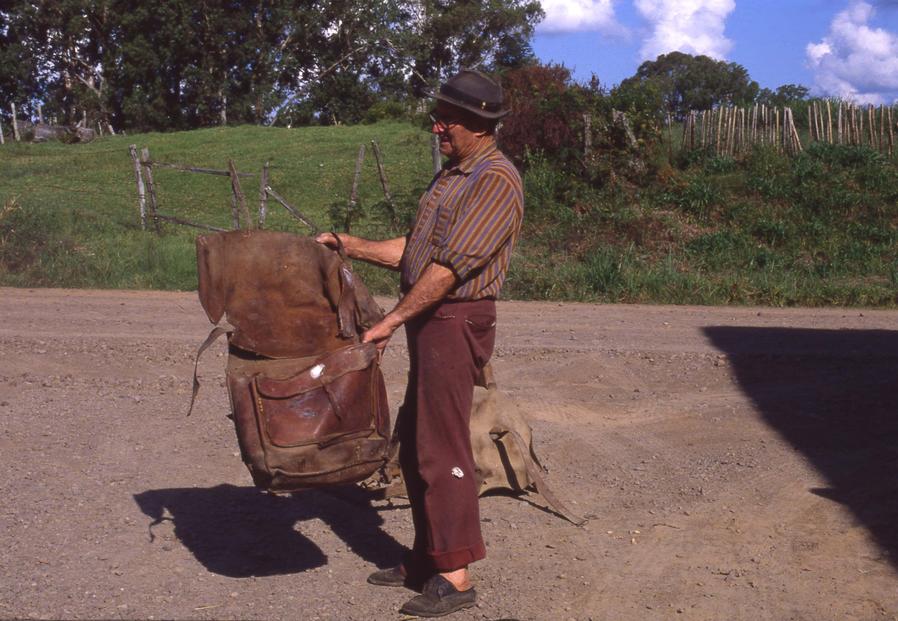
pixel 734 464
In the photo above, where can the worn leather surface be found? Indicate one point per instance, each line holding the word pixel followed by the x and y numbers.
pixel 328 433
pixel 308 400
pixel 286 295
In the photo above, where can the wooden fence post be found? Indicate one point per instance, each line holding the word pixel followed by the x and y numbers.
pixel 839 123
pixel 859 126
pixel 587 133
pixel 15 123
pixel 383 180
pixel 354 190
pixel 684 140
pixel 151 188
pixel 435 154
pixel 693 118
pixel 263 196
pixel 829 123
pixel 2 141
pixel 891 133
pixel 239 208
pixel 871 125
pixel 141 192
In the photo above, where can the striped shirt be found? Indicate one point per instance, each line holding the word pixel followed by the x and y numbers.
pixel 468 220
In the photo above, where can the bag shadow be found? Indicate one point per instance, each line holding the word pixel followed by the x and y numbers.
pixel 241 531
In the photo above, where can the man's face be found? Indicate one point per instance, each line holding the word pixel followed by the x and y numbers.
pixel 456 140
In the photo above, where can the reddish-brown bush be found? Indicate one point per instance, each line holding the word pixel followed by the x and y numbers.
pixel 546 112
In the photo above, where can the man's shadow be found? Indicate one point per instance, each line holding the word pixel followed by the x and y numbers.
pixel 241 531
pixel 833 395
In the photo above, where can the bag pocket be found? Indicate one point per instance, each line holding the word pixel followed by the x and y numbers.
pixel 330 400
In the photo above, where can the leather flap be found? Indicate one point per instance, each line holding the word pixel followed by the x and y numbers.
pixel 210 273
pixel 325 370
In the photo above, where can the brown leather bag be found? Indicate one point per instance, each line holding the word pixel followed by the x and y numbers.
pixel 308 399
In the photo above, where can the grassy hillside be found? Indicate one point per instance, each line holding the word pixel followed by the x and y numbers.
pixel 819 229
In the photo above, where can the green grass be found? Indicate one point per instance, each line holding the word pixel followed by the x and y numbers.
pixel 70 214
pixel 819 229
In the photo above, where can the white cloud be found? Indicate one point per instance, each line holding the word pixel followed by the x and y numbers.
pixel 689 26
pixel 578 15
pixel 855 60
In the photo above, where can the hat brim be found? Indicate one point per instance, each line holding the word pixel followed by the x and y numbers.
pixel 485 114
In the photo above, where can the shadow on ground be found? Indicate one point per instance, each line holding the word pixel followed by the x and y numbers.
pixel 241 531
pixel 833 394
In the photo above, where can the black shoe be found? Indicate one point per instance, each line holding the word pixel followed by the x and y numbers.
pixel 440 597
pixel 392 577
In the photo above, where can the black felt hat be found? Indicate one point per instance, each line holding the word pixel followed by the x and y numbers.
pixel 472 91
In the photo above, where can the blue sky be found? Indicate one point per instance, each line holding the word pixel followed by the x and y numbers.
pixel 844 48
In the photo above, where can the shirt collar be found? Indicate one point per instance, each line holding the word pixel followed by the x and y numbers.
pixel 466 165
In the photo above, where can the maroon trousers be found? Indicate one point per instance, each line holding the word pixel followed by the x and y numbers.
pixel 447 348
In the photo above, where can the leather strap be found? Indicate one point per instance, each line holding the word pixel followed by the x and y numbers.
pixel 222 328
pixel 346 307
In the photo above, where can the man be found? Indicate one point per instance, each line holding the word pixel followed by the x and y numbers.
pixel 452 265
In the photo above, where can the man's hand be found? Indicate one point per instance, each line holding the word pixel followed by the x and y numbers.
pixel 380 333
pixel 386 253
pixel 328 239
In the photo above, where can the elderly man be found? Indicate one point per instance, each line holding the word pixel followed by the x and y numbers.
pixel 452 265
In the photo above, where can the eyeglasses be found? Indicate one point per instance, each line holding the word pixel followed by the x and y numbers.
pixel 442 122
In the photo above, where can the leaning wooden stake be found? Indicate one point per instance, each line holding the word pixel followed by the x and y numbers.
pixel 293 210
pixel 151 188
pixel 263 196
pixel 383 179
pixel 197 225
pixel 240 199
pixel 141 192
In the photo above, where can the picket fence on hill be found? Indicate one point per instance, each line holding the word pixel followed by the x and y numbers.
pixel 733 131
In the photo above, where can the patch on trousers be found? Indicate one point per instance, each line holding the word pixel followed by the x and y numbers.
pixel 457 472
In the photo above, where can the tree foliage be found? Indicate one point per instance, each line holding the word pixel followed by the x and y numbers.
pixel 187 63
pixel 687 82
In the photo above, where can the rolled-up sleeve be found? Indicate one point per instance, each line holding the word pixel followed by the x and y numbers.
pixel 491 215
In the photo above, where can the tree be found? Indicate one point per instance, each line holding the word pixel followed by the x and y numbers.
pixel 445 35
pixel 689 82
pixel 188 63
pixel 785 95
pixel 18 65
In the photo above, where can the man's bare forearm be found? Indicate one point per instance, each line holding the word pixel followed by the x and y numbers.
pixel 435 284
pixel 386 253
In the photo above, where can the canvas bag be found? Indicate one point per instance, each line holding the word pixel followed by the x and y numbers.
pixel 307 398
pixel 502 445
